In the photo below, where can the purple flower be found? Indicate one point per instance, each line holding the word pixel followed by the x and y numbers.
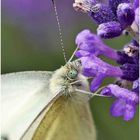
pixel 125 104
pixel 124 58
pixel 101 13
pixel 95 67
pixel 134 43
pixel 135 87
pixel 122 93
pixel 130 71
pixel 125 14
pixel 91 46
pixel 112 18
pixel 109 30
pixel 89 43
pixel 136 4
pixel 114 4
pixel 121 108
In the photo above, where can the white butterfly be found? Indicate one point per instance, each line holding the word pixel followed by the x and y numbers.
pixel 43 105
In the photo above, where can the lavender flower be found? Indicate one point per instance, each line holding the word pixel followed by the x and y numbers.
pixel 114 4
pixel 90 48
pixel 125 104
pixel 135 87
pixel 130 71
pixel 101 13
pixel 109 30
pixel 95 67
pixel 121 108
pixel 112 18
pixel 125 14
pixel 136 4
pixel 90 43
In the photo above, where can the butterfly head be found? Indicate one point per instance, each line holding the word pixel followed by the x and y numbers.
pixel 73 69
pixel 68 78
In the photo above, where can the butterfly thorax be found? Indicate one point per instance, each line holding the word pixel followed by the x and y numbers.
pixel 67 79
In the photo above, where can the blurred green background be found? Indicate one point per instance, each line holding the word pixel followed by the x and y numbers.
pixel 30 41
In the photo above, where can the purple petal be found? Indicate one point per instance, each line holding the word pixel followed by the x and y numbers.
pixel 106 91
pixel 125 14
pixel 96 82
pixel 95 65
pixel 135 87
pixel 91 43
pixel 88 41
pixel 124 58
pixel 122 93
pixel 136 4
pixel 114 4
pixel 109 30
pixel 88 72
pixel 130 71
pixel 134 43
pixel 102 13
pixel 137 16
pixel 129 112
pixel 82 53
pixel 117 108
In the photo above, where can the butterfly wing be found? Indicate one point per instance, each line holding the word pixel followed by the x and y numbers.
pixel 24 95
pixel 69 118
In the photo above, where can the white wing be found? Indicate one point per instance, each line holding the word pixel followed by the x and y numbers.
pixel 24 96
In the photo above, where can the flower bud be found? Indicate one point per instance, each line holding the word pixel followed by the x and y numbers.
pixel 114 4
pixel 125 14
pixel 102 13
pixel 130 71
pixel 109 30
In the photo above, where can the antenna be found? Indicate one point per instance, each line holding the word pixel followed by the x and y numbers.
pixel 60 31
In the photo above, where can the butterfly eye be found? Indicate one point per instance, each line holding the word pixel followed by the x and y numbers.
pixel 72 74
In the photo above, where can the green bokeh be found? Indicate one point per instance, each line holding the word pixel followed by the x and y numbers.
pixel 20 54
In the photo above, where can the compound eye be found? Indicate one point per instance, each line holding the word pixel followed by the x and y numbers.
pixel 72 74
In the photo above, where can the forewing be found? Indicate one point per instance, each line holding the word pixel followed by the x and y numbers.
pixel 24 96
pixel 69 118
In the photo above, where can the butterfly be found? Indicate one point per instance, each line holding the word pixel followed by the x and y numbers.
pixel 42 105
pixel 45 105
